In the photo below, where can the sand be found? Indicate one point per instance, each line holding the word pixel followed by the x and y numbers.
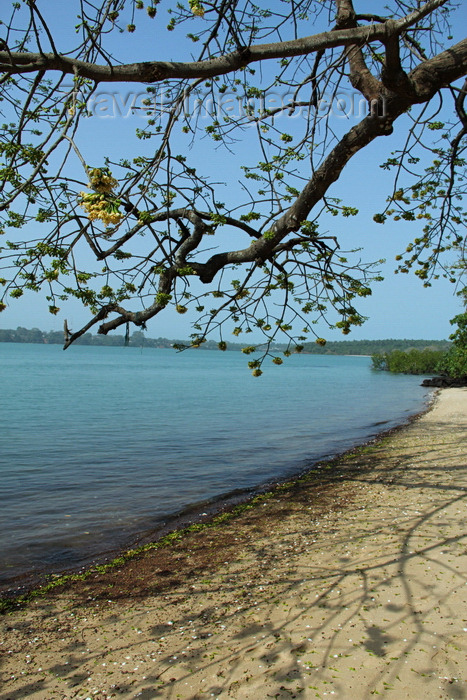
pixel 351 584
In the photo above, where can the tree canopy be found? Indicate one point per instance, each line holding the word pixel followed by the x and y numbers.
pixel 133 236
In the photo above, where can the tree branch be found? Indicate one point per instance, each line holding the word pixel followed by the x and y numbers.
pixel 156 71
pixel 360 76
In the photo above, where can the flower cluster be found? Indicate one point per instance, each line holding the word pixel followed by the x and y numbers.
pixel 98 206
pixel 101 204
pixel 102 180
pixel 197 8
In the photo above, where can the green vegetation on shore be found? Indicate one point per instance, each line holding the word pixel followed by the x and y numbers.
pixel 414 361
pixel 451 363
pixel 454 362
pixel 138 339
pixel 370 347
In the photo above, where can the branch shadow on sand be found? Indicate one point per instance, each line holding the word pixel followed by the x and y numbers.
pixel 350 582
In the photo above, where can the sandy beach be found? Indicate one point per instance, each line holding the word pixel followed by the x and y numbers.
pixel 350 583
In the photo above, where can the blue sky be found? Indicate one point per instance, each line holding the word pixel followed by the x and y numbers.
pixel 399 308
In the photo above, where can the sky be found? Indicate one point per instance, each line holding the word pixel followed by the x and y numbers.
pixel 399 308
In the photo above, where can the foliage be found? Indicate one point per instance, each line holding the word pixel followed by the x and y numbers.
pixel 146 229
pixel 454 364
pixel 412 361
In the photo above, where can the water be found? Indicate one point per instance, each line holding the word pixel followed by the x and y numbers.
pixel 98 444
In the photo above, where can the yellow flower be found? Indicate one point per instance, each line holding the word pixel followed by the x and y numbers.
pixel 97 204
pixel 102 181
pixel 197 8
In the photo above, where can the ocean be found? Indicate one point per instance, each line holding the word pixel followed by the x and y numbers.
pixel 102 446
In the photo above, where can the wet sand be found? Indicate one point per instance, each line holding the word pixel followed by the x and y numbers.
pixel 350 583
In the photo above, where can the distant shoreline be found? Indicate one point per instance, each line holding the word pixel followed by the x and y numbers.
pixel 138 339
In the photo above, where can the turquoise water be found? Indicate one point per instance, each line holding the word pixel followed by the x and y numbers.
pixel 100 444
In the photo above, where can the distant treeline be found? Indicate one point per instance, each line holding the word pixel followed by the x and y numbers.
pixel 138 339
pixel 35 335
pixel 370 347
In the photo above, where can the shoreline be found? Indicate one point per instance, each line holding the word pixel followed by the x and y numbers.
pixel 351 582
pixel 200 513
